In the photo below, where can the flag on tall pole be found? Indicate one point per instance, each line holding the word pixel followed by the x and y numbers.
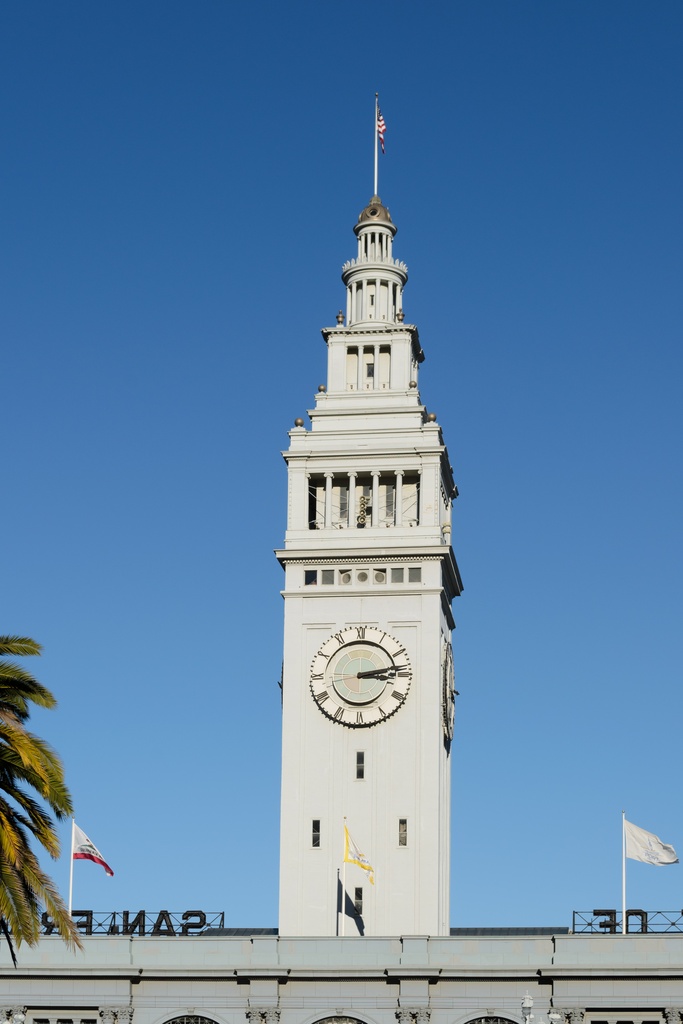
pixel 637 844
pixel 83 848
pixel 352 855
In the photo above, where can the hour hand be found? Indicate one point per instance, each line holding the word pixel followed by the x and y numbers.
pixel 383 673
pixel 373 673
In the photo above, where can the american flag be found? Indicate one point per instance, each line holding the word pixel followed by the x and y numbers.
pixel 381 128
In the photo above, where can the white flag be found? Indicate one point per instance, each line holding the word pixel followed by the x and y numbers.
pixel 352 855
pixel 646 846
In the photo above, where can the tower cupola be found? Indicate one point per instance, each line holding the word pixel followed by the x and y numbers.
pixel 374 279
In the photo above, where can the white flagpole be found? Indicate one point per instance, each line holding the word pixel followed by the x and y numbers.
pixel 376 122
pixel 623 872
pixel 343 893
pixel 71 871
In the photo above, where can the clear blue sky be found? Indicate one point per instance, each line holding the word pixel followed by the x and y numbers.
pixel 179 184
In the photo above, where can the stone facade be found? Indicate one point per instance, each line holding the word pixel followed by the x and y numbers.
pixel 264 979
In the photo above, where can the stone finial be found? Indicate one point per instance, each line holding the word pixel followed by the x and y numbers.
pixel 322 389
pixel 400 316
pixel 298 422
pixel 340 318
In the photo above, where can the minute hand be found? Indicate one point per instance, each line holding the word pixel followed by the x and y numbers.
pixel 379 672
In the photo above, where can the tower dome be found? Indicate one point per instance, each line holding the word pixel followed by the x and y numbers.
pixel 374 279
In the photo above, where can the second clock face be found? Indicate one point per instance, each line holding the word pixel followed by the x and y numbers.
pixel 360 676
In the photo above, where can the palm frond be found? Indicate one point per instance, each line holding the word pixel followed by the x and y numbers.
pixel 28 765
pixel 19 646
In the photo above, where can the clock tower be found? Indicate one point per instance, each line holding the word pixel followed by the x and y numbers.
pixel 368 697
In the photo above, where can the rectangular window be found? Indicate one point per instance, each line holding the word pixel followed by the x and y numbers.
pixel 402 831
pixel 415 574
pixel 387 502
pixel 385 365
pixel 340 504
pixel 316 503
pixel 369 366
pixel 351 368
pixel 360 764
pixel 411 500
pixel 358 900
pixel 397 575
pixel 310 577
pixel 315 833
pixel 328 575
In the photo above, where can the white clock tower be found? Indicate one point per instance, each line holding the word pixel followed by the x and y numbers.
pixel 368 698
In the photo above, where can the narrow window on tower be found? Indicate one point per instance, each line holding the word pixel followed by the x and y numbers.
pixel 340 505
pixel 387 502
pixel 351 369
pixel 316 503
pixel 358 900
pixel 360 764
pixel 411 500
pixel 369 368
pixel 384 368
pixel 415 574
pixel 402 831
pixel 315 833
pixel 310 577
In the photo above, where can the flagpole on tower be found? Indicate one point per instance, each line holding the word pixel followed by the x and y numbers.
pixel 376 137
pixel 343 894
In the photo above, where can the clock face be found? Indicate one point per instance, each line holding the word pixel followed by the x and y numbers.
pixel 448 691
pixel 360 676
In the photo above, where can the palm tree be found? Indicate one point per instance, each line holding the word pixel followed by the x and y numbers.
pixel 28 768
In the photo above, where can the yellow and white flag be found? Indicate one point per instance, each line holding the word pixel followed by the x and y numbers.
pixel 352 855
pixel 646 846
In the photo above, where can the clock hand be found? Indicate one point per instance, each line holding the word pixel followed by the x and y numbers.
pixel 380 672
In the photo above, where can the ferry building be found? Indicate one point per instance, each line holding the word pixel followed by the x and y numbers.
pixel 370 577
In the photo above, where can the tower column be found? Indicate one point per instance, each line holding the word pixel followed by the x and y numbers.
pixel 375 497
pixel 328 499
pixel 399 497
pixel 352 499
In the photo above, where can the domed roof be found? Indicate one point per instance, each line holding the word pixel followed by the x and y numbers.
pixel 375 213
